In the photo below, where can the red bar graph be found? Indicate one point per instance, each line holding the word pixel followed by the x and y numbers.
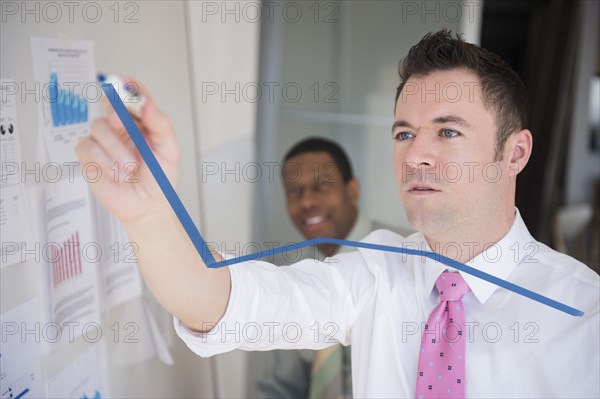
pixel 66 260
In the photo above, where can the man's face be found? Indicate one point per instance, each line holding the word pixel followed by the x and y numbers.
pixel 319 203
pixel 444 146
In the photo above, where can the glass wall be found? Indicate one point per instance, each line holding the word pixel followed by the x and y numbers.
pixel 336 66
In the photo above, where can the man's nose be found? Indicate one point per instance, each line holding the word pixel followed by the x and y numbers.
pixel 309 199
pixel 422 151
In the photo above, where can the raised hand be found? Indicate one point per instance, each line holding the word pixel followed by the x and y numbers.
pixel 172 268
pixel 126 187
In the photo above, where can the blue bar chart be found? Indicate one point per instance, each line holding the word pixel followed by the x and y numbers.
pixel 96 395
pixel 66 107
pixel 19 389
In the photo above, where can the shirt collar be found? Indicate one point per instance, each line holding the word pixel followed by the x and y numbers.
pixel 499 260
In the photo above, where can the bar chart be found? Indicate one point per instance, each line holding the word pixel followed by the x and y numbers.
pixel 96 395
pixel 66 107
pixel 19 389
pixel 66 260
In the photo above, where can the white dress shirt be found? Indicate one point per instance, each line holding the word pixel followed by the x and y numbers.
pixel 289 371
pixel 379 302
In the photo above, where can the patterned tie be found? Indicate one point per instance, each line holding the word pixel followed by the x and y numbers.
pixel 441 370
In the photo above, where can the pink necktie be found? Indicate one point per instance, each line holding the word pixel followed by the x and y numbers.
pixel 441 370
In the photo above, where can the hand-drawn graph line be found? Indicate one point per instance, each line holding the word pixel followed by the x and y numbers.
pixel 210 261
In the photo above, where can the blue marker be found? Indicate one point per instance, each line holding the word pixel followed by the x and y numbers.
pixel 129 96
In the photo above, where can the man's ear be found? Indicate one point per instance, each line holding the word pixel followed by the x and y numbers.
pixel 353 190
pixel 518 151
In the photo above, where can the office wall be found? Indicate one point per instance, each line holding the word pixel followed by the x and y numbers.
pixel 155 50
pixel 224 50
pixel 350 51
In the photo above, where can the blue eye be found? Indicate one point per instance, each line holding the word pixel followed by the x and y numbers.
pixel 404 136
pixel 449 133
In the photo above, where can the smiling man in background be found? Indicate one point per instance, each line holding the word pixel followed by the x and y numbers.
pixel 322 196
pixel 321 192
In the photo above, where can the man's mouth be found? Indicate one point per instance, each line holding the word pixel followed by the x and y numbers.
pixel 314 221
pixel 422 189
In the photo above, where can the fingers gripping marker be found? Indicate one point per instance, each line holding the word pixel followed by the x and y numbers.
pixel 159 174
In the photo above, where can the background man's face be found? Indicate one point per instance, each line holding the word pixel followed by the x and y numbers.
pixel 444 142
pixel 319 203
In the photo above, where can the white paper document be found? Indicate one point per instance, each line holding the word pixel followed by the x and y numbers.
pixel 13 231
pixel 85 378
pixel 19 369
pixel 73 255
pixel 121 280
pixel 65 74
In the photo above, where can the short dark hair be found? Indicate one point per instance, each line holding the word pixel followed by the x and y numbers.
pixel 502 89
pixel 316 144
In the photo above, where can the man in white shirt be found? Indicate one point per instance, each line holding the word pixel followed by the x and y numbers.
pixel 322 196
pixel 459 142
